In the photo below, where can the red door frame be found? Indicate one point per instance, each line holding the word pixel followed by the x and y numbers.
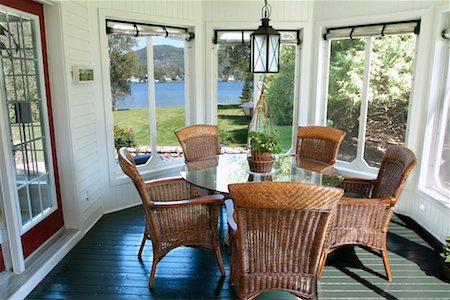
pixel 40 233
pixel 2 261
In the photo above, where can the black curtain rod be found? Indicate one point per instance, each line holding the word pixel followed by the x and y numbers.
pixel 215 39
pixel 146 24
pixel 416 31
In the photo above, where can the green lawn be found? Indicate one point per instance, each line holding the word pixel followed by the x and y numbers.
pixel 233 125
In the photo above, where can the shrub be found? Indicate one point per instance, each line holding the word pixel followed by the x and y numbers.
pixel 123 137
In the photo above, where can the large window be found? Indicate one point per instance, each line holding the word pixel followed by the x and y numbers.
pixel 369 85
pixel 437 164
pixel 238 89
pixel 147 89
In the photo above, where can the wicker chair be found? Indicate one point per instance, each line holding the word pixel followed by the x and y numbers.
pixel 319 143
pixel 279 236
pixel 175 215
pixel 364 213
pixel 198 141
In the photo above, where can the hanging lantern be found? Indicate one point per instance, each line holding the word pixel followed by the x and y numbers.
pixel 265 45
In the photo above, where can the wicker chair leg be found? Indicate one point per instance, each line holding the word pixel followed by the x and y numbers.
pixel 322 261
pixel 144 239
pixel 152 274
pixel 387 267
pixel 219 260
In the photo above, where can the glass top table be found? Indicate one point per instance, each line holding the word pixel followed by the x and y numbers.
pixel 215 173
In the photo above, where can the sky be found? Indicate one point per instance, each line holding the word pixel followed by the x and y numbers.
pixel 142 42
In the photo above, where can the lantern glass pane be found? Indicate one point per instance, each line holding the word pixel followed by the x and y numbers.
pixel 274 50
pixel 259 53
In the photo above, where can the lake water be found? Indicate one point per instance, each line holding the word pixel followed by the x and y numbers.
pixel 172 94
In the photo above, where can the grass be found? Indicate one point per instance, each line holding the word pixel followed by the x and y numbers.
pixel 233 125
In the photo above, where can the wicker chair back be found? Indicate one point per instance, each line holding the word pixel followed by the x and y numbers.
pixel 397 163
pixel 319 143
pixel 198 141
pixel 280 234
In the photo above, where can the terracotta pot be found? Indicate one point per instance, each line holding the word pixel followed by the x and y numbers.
pixel 260 166
pixel 266 156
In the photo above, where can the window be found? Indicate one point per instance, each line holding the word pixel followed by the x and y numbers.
pixel 238 89
pixel 147 64
pixel 436 166
pixel 369 85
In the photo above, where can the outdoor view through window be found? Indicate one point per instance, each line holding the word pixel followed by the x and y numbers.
pixel 130 96
pixel 389 84
pixel 236 92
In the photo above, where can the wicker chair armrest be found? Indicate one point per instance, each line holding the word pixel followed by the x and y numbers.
pixel 156 182
pixel 229 206
pixel 366 201
pixel 209 199
pixel 357 186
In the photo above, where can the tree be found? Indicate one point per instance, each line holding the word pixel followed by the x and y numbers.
pixel 247 92
pixel 122 65
pixel 234 60
pixel 280 88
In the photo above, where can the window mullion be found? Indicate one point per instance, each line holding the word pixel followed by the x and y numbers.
pixel 151 97
pixel 364 101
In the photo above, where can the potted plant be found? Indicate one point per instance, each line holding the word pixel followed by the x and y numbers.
pixel 262 146
pixel 446 255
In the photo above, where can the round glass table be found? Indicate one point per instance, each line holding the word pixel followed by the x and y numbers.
pixel 215 173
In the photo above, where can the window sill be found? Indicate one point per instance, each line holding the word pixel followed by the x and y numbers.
pixel 148 171
pixel 433 195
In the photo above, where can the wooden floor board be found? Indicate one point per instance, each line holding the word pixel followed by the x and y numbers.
pixel 104 265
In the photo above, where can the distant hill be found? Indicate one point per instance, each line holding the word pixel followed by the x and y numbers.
pixel 169 61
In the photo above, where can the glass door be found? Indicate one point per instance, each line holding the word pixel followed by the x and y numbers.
pixel 24 90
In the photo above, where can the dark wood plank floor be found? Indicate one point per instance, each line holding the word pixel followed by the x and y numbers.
pixel 104 265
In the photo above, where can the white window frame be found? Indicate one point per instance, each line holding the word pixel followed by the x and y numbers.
pixel 359 167
pixel 301 89
pixel 439 101
pixel 155 166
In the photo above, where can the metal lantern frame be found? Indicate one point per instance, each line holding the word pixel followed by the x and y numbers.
pixel 265 55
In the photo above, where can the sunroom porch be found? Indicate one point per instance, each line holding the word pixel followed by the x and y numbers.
pixel 92 207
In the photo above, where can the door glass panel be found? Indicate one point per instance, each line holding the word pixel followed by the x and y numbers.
pixel 22 100
pixel 391 68
pixel 345 91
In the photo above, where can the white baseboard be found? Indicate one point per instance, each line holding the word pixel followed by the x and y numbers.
pixel 40 264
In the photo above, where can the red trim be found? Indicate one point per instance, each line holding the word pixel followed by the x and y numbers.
pixel 2 261
pixel 40 233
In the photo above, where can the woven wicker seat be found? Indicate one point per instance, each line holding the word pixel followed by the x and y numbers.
pixel 364 213
pixel 175 214
pixel 319 143
pixel 199 141
pixel 280 232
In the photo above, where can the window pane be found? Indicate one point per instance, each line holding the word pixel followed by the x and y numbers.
pixel 235 94
pixel 168 62
pixel 344 92
pixel 279 89
pixel 390 86
pixel 129 90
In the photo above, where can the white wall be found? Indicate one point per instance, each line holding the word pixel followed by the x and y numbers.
pixel 80 115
